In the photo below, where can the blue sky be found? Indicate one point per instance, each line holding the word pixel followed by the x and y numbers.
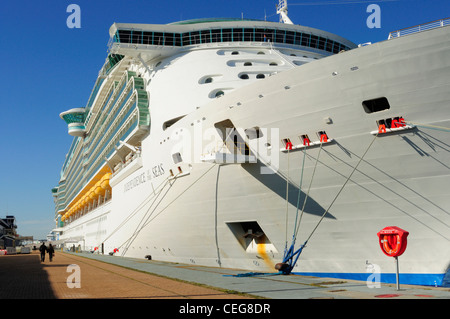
pixel 48 68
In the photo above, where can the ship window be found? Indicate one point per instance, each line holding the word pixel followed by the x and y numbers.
pixel 125 36
pixel 195 37
pixel 259 35
pixel 186 39
pixel 290 37
pixel 260 76
pixel 237 34
pixel 168 39
pixel 273 64
pixel 253 133
pixel 244 76
pixel 206 36
pixel 177 39
pixel 208 80
pixel 226 35
pixel 376 105
pixel 171 122
pixel 177 158
pixel 279 36
pixel 305 40
pixel 234 53
pixel 136 37
pixel 147 38
pixel 216 35
pixel 248 34
pixel 248 64
pixel 219 94
pixel 314 40
pixel 322 42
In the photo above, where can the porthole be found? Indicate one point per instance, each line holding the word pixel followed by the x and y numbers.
pixel 219 93
pixel 273 64
pixel 208 80
pixel 234 53
pixel 243 76
pixel 260 76
pixel 248 64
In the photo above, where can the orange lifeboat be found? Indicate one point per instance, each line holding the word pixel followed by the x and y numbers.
pixel 98 188
pixel 104 182
pixel 91 193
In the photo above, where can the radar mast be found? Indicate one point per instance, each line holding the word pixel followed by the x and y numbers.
pixel 282 10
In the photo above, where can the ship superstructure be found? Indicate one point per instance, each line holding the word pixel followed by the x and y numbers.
pixel 216 141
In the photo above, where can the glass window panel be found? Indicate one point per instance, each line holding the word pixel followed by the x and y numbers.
pixel 290 37
pixel 147 38
pixel 314 41
pixel 158 38
pixel 280 35
pixel 125 36
pixel 195 37
pixel 206 36
pixel 237 34
pixel 248 34
pixel 226 35
pixel 216 35
pixel 259 35
pixel 186 39
pixel 322 43
pixel 136 37
pixel 168 39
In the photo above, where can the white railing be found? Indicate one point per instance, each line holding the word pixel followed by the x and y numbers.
pixel 419 28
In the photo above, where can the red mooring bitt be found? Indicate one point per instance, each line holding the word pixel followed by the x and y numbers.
pixel 393 240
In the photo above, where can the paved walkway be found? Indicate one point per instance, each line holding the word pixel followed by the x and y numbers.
pixel 25 277
pixel 276 286
pixel 113 277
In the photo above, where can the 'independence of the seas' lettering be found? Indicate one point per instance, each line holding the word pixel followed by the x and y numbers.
pixel 156 171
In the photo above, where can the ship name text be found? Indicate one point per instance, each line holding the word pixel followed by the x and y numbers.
pixel 155 171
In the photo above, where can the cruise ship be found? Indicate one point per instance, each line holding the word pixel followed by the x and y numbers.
pixel 234 143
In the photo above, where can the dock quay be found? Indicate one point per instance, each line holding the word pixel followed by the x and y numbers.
pixel 24 276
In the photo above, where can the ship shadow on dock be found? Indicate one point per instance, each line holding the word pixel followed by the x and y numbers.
pixel 25 277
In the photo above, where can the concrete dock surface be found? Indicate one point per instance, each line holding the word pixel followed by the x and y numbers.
pixel 93 276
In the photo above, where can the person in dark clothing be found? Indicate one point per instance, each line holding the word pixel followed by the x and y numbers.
pixel 43 249
pixel 50 251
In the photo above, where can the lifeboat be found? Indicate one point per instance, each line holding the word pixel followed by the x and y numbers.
pixel 104 182
pixel 98 188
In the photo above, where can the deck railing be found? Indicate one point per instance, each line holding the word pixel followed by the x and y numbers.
pixel 419 28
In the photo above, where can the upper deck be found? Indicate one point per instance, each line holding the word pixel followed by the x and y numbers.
pixel 216 31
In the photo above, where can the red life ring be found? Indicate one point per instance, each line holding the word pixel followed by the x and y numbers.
pixel 393 241
pixel 391 251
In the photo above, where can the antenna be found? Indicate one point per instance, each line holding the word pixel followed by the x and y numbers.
pixel 282 10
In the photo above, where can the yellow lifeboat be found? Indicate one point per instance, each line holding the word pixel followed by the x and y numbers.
pixel 91 192
pixel 86 200
pixel 104 182
pixel 98 189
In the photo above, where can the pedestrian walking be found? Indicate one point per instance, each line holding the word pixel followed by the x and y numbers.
pixel 43 249
pixel 50 251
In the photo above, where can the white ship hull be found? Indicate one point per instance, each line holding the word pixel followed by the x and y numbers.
pixel 201 214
